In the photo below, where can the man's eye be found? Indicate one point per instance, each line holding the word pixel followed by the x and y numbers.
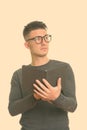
pixel 38 38
pixel 46 37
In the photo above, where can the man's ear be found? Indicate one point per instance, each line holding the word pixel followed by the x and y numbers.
pixel 26 45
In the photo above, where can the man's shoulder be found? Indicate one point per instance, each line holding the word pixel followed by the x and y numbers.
pixel 18 71
pixel 65 66
pixel 58 62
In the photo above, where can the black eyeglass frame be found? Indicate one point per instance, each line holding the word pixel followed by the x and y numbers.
pixel 42 37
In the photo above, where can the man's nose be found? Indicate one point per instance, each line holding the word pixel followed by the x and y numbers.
pixel 43 41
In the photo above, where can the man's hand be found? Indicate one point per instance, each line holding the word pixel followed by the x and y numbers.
pixel 47 92
pixel 36 96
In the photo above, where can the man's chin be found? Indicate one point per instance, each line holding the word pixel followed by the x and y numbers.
pixel 41 55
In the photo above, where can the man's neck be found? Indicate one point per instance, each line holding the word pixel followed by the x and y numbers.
pixel 39 61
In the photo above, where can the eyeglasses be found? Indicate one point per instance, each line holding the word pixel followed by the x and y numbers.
pixel 39 39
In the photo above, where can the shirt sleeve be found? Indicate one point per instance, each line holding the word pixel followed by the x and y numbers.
pixel 17 103
pixel 67 99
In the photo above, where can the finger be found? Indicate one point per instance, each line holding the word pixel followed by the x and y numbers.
pixel 39 89
pixel 59 83
pixel 40 94
pixel 48 85
pixel 36 96
pixel 42 86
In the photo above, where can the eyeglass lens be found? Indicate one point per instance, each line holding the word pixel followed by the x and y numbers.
pixel 39 39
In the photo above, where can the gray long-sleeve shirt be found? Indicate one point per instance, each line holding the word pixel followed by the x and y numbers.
pixel 38 114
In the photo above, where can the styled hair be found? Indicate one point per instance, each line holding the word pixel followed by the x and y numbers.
pixel 33 26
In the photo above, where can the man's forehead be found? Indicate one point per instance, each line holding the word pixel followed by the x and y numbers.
pixel 38 32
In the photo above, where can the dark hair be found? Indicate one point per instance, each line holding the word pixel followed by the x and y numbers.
pixel 33 26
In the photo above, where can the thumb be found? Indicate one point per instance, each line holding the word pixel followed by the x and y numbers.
pixel 59 83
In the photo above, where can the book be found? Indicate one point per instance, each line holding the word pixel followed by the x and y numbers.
pixel 30 74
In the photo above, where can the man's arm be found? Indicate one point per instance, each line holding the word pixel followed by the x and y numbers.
pixel 67 99
pixel 64 99
pixel 17 103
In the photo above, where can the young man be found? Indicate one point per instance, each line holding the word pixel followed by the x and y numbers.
pixel 47 107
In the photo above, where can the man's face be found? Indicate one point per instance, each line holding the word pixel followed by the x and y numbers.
pixel 37 42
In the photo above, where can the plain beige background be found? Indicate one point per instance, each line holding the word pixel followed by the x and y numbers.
pixel 67 22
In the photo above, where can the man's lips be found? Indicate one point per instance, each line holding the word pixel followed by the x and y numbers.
pixel 44 48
